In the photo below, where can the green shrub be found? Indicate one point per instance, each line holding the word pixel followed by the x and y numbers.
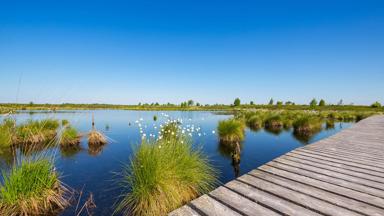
pixel 31 188
pixel 231 130
pixel 163 175
pixel 376 105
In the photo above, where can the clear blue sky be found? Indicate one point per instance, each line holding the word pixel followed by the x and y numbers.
pixel 127 52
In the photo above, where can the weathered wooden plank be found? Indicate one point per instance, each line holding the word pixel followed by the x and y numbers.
pixel 184 211
pixel 240 203
pixel 340 161
pixel 304 199
pixel 346 158
pixel 335 168
pixel 361 152
pixel 323 182
pixel 330 197
pixel 336 164
pixel 209 206
pixel 321 177
pixel 333 174
pixel 349 154
pixel 275 202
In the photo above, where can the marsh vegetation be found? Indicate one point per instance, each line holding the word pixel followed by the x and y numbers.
pixel 164 174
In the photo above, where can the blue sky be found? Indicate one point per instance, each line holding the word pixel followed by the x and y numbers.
pixel 127 52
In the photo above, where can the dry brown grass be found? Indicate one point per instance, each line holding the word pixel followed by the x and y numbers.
pixel 96 138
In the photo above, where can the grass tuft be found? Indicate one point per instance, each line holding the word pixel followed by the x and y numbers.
pixel 96 138
pixel 231 130
pixel 32 188
pixel 163 175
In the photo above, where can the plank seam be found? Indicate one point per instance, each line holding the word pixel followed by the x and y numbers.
pixel 256 201
pixel 304 162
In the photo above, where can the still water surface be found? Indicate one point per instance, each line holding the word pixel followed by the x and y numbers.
pixel 94 171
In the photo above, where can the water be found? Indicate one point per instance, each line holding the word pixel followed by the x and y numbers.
pixel 95 171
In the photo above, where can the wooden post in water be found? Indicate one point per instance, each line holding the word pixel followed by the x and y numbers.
pixel 93 121
pixel 236 159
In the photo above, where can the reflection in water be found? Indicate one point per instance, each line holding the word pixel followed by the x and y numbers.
pixel 305 138
pixel 31 149
pixel 70 151
pixel 7 156
pixel 274 130
pixel 95 150
pixel 232 151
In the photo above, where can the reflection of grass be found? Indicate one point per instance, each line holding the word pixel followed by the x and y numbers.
pixel 227 149
pixel 330 124
pixel 31 188
pixel 231 130
pixel 163 175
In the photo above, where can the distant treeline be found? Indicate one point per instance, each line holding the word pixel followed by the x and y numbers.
pixel 191 105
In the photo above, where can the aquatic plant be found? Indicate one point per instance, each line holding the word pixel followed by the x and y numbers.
pixel 307 125
pixel 275 121
pixel 231 130
pixel 170 130
pixel 69 136
pixel 35 132
pixel 255 122
pixel 32 188
pixel 96 138
pixel 64 122
pixel 330 124
pixel 163 175
pixel 5 137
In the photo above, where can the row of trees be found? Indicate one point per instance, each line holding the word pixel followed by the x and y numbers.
pixel 312 103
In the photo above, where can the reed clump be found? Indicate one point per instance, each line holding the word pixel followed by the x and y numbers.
pixel 6 133
pixel 170 130
pixel 32 188
pixel 231 131
pixel 274 122
pixel 70 137
pixel 307 125
pixel 96 138
pixel 163 175
pixel 36 132
pixel 254 122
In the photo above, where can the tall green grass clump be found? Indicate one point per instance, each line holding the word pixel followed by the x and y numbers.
pixel 255 122
pixel 307 125
pixel 170 130
pixel 231 131
pixel 35 132
pixel 32 188
pixel 6 132
pixel 274 122
pixel 163 175
pixel 69 136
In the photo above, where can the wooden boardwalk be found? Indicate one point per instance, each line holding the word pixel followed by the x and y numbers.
pixel 340 175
